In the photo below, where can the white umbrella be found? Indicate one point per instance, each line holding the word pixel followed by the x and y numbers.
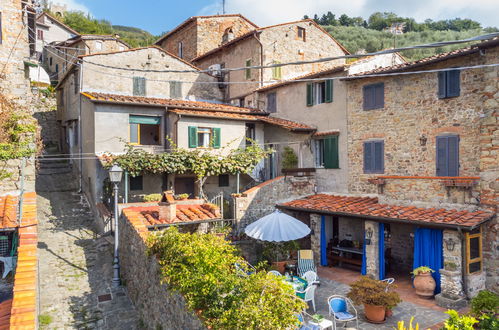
pixel 277 227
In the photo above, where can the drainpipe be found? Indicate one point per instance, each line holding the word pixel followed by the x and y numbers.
pixel 260 84
pixel 80 142
pixel 179 116
pixel 463 257
pixel 21 194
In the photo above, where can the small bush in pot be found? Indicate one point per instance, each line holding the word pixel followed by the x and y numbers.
pixel 181 196
pixel 152 198
pixel 424 282
pixel 374 296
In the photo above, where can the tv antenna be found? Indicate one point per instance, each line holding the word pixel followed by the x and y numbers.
pixel 223 7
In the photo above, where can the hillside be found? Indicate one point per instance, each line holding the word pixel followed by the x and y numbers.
pixel 135 37
pixel 358 39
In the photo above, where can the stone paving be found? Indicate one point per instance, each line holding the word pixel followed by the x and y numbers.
pixel 426 317
pixel 75 266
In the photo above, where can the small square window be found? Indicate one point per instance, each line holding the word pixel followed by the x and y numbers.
pixel 301 33
pixel 223 180
pixel 137 182
pixel 98 45
pixel 247 72
pixel 204 137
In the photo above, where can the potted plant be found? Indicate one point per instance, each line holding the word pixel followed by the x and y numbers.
pixel 423 281
pixel 373 295
pixel 278 253
pixel 182 197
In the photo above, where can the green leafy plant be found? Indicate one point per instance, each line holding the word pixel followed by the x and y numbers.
pixel 373 292
pixel 152 198
pixel 401 325
pixel 485 307
pixel 279 251
pixel 459 322
pixel 201 268
pixel 317 318
pixel 422 270
pixel 448 265
pixel 44 319
pixel 289 158
pixel 182 196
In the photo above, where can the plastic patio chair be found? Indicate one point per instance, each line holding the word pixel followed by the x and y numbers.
pixel 303 325
pixel 275 272
pixel 306 262
pixel 308 294
pixel 242 272
pixel 342 310
pixel 311 277
pixel 389 281
pixel 8 265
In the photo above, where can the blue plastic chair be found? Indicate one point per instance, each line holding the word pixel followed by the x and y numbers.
pixel 342 310
pixel 302 325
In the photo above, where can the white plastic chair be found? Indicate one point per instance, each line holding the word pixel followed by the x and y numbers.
pixel 389 281
pixel 311 277
pixel 275 272
pixel 309 294
pixel 8 265
pixel 342 310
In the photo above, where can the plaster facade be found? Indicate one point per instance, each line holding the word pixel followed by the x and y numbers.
pixel 52 31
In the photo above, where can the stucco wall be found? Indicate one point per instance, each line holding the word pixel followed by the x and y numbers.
pixel 53 32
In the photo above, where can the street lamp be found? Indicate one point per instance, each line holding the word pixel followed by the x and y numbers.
pixel 115 174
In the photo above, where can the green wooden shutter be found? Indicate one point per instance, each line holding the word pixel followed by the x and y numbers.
pixel 331 157
pixel 329 91
pixel 216 137
pixel 310 94
pixel 193 137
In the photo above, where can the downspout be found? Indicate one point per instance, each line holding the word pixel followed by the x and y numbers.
pixel 179 116
pixel 463 258
pixel 260 83
pixel 80 142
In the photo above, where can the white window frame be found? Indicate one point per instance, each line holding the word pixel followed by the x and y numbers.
pixel 319 153
pixel 204 131
pixel 98 45
pixel 319 92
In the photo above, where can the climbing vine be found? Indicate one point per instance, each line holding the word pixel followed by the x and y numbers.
pixel 201 162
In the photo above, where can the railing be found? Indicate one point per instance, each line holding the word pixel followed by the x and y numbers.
pixel 218 200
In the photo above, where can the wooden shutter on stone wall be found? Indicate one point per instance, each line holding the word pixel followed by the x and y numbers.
pixel 453 83
pixel 331 157
pixel 441 85
pixel 447 155
pixel 379 161
pixel 368 157
pixel 139 86
pixel 193 137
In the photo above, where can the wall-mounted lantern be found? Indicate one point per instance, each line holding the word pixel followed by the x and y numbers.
pixel 369 235
pixel 450 244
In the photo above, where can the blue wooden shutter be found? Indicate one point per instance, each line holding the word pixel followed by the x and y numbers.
pixel 379 161
pixel 453 83
pixel 310 94
pixel 329 91
pixel 366 92
pixel 216 137
pixel 379 96
pixel 441 85
pixel 368 159
pixel 139 86
pixel 453 155
pixel 441 156
pixel 193 137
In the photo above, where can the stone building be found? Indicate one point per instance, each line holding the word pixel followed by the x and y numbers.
pixel 423 173
pixel 317 99
pixel 200 34
pixel 287 42
pixel 50 30
pixel 59 56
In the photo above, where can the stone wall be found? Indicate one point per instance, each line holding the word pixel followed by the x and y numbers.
pixel 16 171
pixel 372 250
pixel 262 199
pixel 157 306
pixel 451 279
pixel 402 246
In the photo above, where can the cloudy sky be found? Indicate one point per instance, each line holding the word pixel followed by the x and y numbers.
pixel 158 16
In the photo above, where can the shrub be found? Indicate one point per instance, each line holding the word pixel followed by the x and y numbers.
pixel 485 302
pixel 401 325
pixel 182 196
pixel 289 158
pixel 459 322
pixel 152 198
pixel 201 268
pixel 373 292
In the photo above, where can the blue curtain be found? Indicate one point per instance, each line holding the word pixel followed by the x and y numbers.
pixel 381 249
pixel 323 242
pixel 363 270
pixel 428 251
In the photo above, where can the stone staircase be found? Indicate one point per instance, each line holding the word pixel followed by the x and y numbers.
pixel 50 165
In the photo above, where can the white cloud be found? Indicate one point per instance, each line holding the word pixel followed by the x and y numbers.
pixel 72 5
pixel 268 12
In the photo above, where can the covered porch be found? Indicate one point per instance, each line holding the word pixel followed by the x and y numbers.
pixel 357 235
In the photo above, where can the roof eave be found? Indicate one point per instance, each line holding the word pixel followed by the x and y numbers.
pixel 393 220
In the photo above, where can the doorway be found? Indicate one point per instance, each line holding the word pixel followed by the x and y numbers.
pixel 185 186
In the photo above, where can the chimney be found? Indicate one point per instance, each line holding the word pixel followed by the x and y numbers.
pixel 167 207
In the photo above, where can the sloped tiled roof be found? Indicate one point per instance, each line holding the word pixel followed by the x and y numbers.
pixel 201 109
pixel 185 213
pixel 326 133
pixel 5 307
pixel 429 60
pixel 369 207
pixel 57 22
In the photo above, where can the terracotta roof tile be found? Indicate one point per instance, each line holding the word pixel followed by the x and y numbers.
pixel 368 206
pixel 185 213
pixel 8 211
pixel 326 133
pixel 287 124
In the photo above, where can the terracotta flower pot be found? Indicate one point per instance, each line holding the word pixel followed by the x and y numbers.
pixel 279 266
pixel 375 314
pixel 425 285
pixel 389 312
